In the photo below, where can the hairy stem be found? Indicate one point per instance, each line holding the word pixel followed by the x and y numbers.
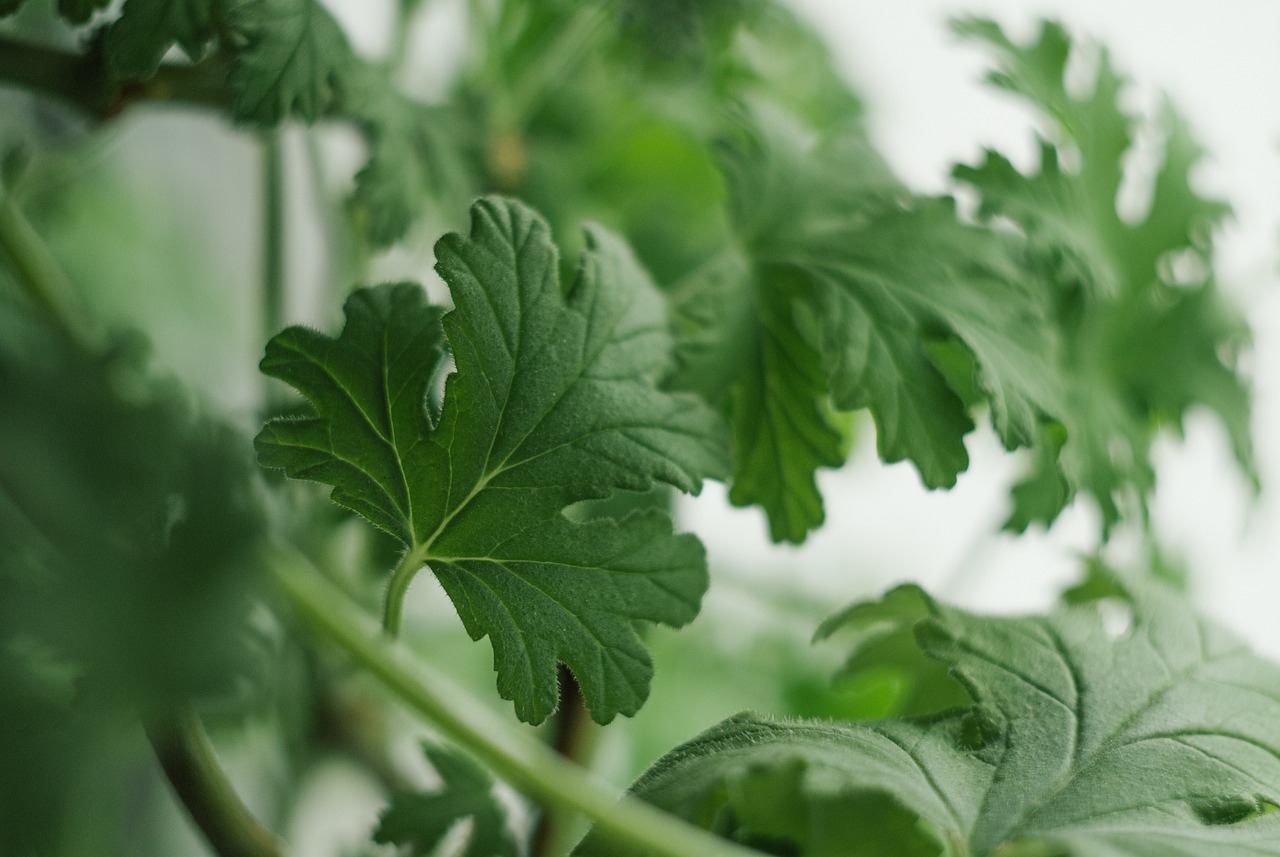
pixel 520 759
pixel 85 82
pixel 41 277
pixel 187 758
pixel 574 740
pixel 408 567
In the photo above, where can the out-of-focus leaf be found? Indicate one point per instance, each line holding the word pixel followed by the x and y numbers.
pixel 291 58
pixel 1145 334
pixel 137 41
pixel 420 820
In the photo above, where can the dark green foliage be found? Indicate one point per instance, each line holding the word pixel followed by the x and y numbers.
pixel 128 531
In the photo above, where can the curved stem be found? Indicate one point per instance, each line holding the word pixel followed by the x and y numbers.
pixel 187 758
pixel 520 759
pixel 406 570
pixel 41 277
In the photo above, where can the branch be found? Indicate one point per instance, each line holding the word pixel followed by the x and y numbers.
pixel 519 758
pixel 184 752
pixel 86 82
pixel 40 275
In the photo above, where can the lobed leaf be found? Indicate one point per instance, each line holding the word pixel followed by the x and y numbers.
pixel 420 820
pixel 554 401
pixel 1077 741
pixel 1141 343
pixel 292 58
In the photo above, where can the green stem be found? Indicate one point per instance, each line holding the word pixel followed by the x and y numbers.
pixel 85 82
pixel 189 763
pixel 408 567
pixel 41 277
pixel 273 273
pixel 520 759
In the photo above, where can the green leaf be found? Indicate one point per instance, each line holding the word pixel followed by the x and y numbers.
pixel 1078 743
pixel 554 401
pixel 1146 335
pixel 783 425
pixel 291 59
pixel 421 820
pixel 146 29
pixel 8 7
pixel 126 541
pixel 740 348
pixel 420 161
pixel 882 279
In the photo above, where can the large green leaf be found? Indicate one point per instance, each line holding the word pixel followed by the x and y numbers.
pixel 1146 335
pixel 1082 740
pixel 554 401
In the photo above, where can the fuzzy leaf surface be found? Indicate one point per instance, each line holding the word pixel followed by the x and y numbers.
pixel 554 401
pixel 420 820
pixel 1078 743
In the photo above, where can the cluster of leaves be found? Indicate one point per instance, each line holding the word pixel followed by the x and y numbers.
pixel 826 286
pixel 1153 738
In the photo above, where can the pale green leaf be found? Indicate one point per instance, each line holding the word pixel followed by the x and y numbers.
pixel 1145 334
pixel 1157 739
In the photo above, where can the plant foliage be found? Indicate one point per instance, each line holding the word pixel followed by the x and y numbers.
pixel 1078 741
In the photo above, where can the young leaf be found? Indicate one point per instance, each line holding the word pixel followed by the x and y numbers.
pixel 146 29
pixel 1146 336
pixel 1078 743
pixel 293 60
pixel 554 401
pixel 421 820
